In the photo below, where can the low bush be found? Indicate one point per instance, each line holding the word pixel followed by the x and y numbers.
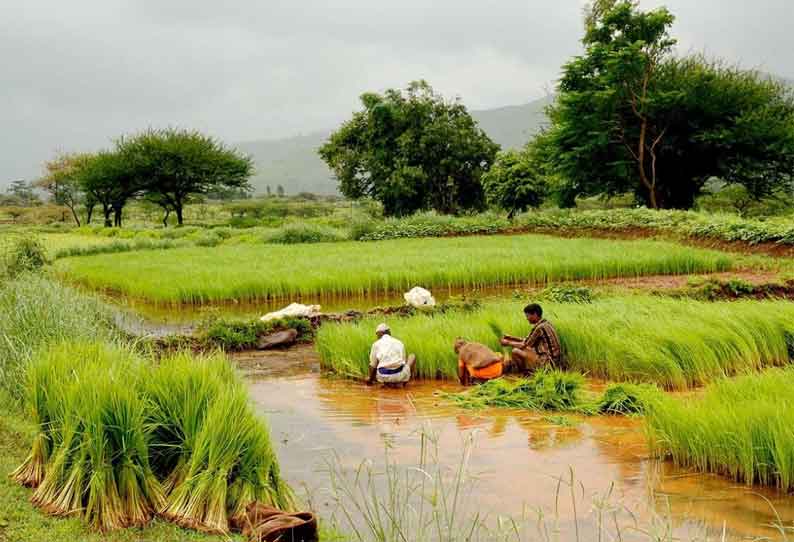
pixel 305 233
pixel 243 334
pixel 22 254
pixel 568 294
pixel 626 398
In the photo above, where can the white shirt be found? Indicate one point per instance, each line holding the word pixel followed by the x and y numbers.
pixel 387 352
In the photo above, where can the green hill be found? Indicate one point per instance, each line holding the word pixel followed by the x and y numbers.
pixel 294 164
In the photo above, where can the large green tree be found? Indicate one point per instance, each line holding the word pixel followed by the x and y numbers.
pixel 108 180
pixel 632 117
pixel 176 165
pixel 411 150
pixel 515 182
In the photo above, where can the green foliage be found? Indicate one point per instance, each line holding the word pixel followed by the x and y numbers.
pixel 411 150
pixel 545 390
pixel 626 398
pixel 676 344
pixel 568 294
pixel 515 182
pixel 22 255
pixel 180 164
pixel 661 126
pixel 304 233
pixel 240 335
pixel 740 428
pixel 351 268
pixel 429 225
pixel 37 312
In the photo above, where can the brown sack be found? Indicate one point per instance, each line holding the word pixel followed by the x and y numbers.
pixel 478 356
pixel 266 524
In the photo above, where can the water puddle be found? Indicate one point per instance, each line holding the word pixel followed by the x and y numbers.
pixel 518 455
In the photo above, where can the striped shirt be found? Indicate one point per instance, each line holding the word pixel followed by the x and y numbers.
pixel 545 342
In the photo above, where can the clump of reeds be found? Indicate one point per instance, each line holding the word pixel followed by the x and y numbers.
pixel 545 390
pixel 676 344
pixel 741 428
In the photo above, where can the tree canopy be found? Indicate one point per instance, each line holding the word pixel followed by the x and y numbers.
pixel 411 150
pixel 515 181
pixel 632 117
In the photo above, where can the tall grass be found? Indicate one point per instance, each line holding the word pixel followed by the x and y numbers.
pixel 37 311
pixel 119 440
pixel 742 428
pixel 674 343
pixel 195 275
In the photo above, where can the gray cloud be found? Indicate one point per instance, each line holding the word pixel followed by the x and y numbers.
pixel 76 74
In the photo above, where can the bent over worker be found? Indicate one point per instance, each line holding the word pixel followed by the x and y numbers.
pixel 387 361
pixel 477 363
pixel 540 348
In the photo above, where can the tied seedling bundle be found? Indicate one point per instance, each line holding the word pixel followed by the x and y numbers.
pixel 119 441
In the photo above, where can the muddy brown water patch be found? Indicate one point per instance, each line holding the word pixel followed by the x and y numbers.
pixel 518 455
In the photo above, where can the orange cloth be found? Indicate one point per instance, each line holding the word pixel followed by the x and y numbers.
pixel 494 370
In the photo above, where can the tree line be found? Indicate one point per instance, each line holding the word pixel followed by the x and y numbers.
pixel 169 167
pixel 629 116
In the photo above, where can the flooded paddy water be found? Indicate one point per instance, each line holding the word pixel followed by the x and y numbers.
pixel 518 456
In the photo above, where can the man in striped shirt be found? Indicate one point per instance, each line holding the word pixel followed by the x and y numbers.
pixel 540 348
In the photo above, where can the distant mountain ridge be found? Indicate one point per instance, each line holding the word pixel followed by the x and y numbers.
pixel 294 164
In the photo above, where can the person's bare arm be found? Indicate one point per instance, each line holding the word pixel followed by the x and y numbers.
pixel 371 379
pixel 512 342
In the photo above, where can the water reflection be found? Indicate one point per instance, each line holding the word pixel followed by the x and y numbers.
pixel 519 456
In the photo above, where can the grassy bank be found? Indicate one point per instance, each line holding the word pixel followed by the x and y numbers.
pixel 674 343
pixel 742 428
pixel 196 275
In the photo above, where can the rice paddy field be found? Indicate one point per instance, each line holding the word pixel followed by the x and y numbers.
pixel 198 275
pixel 742 428
pixel 676 344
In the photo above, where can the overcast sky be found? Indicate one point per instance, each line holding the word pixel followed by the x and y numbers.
pixel 75 74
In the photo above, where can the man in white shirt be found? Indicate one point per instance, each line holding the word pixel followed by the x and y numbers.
pixel 387 361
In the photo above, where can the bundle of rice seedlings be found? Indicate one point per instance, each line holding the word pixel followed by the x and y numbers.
pixel 46 378
pixel 180 391
pixel 226 472
pixel 98 467
pixel 212 469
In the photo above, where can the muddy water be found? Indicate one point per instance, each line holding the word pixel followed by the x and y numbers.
pixel 517 455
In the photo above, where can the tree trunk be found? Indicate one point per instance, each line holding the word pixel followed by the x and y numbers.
pixel 165 218
pixel 89 212
pixel 178 209
pixel 106 210
pixel 117 216
pixel 74 215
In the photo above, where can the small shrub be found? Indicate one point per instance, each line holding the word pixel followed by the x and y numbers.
pixel 304 233
pixel 24 255
pixel 568 294
pixel 243 334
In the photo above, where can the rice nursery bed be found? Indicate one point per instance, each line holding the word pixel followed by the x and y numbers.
pixel 245 272
pixel 742 428
pixel 676 344
pixel 119 440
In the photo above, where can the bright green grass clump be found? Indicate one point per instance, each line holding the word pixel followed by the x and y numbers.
pixel 673 343
pixel 742 428
pixel 195 275
pixel 119 441
pixel 545 390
